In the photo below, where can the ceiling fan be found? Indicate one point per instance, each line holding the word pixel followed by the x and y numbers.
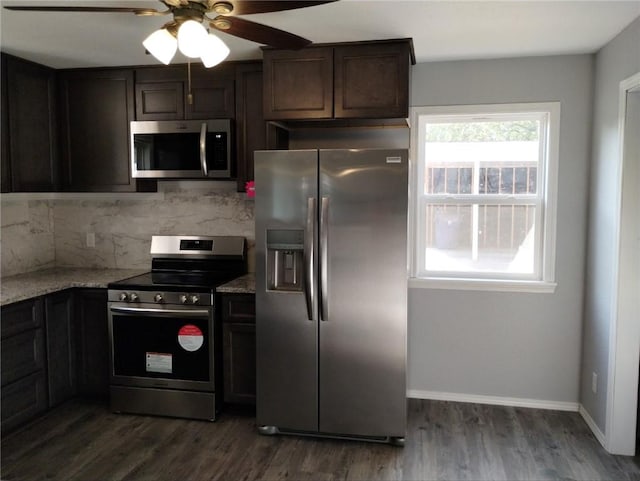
pixel 225 18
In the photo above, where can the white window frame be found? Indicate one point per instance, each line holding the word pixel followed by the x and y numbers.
pixel 543 279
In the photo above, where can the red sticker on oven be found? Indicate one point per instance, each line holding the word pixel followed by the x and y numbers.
pixel 190 337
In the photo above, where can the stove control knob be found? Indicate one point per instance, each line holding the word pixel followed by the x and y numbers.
pixel 134 297
pixel 183 298
pixel 194 298
pixel 158 298
pixel 124 297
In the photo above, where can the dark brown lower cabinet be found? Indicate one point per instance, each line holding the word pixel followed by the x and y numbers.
pixel 60 337
pixel 53 348
pixel 92 338
pixel 23 363
pixel 239 348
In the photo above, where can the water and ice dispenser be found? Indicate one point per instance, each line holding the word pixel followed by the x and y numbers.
pixel 285 259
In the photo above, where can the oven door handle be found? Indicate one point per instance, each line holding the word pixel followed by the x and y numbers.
pixel 161 312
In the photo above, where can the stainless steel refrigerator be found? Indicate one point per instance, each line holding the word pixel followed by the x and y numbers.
pixel 331 292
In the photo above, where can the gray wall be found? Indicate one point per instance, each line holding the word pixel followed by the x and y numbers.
pixel 513 345
pixel 618 60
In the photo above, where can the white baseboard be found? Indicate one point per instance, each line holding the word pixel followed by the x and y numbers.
pixel 495 400
pixel 593 426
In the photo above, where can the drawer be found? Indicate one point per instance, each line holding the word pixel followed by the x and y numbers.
pixel 22 400
pixel 239 308
pixel 22 354
pixel 21 316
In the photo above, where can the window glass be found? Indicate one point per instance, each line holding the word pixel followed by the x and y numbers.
pixel 482 204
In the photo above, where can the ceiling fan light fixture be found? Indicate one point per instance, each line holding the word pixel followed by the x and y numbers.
pixel 191 38
pixel 162 45
pixel 221 23
pixel 222 8
pixel 214 51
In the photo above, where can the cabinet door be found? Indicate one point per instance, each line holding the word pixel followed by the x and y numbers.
pixel 60 347
pixel 213 98
pixel 97 107
pixel 24 385
pixel 239 348
pixel 21 316
pixel 32 134
pixel 372 81
pixel 250 124
pixel 23 400
pixel 92 343
pixel 159 101
pixel 298 84
pixel 22 355
pixel 239 363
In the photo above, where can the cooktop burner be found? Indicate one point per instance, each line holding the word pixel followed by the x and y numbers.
pixel 186 263
pixel 176 281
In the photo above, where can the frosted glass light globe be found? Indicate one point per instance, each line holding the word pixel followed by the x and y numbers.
pixel 191 38
pixel 162 45
pixel 214 51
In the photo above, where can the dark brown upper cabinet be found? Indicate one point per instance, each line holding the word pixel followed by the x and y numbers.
pixel 163 93
pixel 298 84
pixel 96 107
pixel 371 81
pixel 361 80
pixel 250 132
pixel 29 162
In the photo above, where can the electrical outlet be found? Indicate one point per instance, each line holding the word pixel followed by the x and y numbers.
pixel 91 239
pixel 594 382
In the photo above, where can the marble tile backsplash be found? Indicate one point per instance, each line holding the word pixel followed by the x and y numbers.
pixel 122 227
pixel 26 236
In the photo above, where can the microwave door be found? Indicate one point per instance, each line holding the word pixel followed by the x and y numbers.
pixel 180 149
pixel 217 153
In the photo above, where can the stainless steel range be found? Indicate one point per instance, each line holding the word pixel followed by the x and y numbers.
pixel 165 345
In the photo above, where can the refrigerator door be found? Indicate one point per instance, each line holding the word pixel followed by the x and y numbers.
pixel 286 309
pixel 363 301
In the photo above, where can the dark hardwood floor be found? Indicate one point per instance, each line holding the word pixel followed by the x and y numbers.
pixel 448 441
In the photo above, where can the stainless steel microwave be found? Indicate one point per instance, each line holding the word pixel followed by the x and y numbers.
pixel 181 149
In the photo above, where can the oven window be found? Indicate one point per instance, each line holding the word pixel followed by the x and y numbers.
pixel 169 348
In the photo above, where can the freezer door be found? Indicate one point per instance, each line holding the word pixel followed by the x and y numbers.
pixel 363 306
pixel 286 310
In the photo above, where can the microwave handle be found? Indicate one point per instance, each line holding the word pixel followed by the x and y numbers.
pixel 203 149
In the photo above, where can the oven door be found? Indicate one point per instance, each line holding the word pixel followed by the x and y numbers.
pixel 162 346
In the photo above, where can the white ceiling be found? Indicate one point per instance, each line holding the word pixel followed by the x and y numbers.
pixel 441 30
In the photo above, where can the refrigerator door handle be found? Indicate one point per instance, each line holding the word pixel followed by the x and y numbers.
pixel 324 258
pixel 309 254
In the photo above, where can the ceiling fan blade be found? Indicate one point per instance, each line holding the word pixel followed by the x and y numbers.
pixel 259 33
pixel 137 11
pixel 247 7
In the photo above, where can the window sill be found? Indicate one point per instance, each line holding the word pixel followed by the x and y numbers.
pixel 538 287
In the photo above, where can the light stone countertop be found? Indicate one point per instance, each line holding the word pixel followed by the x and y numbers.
pixel 242 285
pixel 38 283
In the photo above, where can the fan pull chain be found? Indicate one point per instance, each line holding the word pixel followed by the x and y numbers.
pixel 189 95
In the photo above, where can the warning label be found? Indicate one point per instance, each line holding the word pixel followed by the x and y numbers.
pixel 159 362
pixel 190 337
